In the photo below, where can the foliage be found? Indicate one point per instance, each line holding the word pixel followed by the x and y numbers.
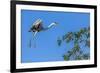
pixel 79 39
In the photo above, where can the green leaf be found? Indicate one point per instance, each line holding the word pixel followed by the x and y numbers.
pixel 66 57
pixel 78 58
pixel 68 37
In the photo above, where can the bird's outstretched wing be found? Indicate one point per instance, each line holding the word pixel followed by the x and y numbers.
pixel 36 25
pixel 37 22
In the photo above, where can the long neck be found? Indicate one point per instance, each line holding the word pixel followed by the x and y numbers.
pixel 52 24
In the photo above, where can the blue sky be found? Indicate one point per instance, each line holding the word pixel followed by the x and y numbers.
pixel 44 46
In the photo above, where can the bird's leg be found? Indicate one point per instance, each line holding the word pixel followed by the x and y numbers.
pixel 34 44
pixel 30 43
pixel 34 34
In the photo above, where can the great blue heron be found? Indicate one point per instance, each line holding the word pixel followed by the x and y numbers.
pixel 37 26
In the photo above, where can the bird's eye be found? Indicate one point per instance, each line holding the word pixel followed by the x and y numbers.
pixel 56 23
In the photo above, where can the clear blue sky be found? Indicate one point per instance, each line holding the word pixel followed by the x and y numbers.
pixel 46 41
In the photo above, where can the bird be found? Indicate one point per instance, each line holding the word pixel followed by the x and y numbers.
pixel 37 26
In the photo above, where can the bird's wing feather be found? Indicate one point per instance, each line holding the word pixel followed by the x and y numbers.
pixel 37 22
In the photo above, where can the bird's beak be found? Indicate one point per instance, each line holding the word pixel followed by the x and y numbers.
pixel 56 23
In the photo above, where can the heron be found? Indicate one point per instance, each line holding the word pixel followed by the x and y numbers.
pixel 37 26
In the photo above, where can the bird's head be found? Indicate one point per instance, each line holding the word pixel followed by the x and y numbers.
pixel 54 23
